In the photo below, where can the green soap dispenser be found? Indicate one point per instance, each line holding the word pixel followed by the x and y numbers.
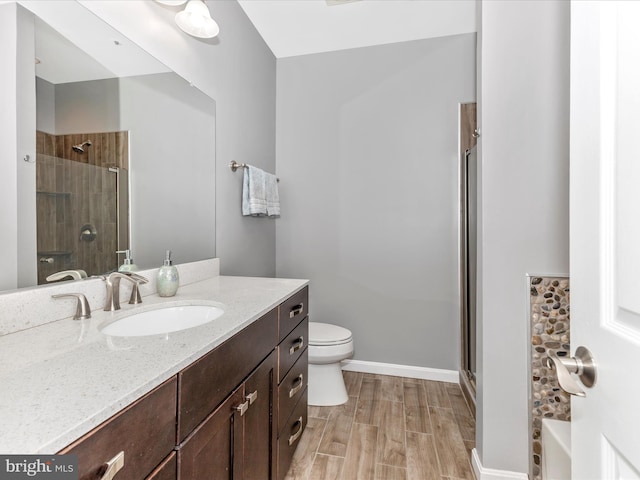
pixel 127 264
pixel 168 279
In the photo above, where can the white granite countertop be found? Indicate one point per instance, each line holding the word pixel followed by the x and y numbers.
pixel 61 379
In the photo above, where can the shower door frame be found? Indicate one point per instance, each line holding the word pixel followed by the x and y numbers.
pixel 468 134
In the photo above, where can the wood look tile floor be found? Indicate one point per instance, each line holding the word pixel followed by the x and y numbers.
pixel 391 428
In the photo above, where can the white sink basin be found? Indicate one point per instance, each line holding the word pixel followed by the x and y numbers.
pixel 162 320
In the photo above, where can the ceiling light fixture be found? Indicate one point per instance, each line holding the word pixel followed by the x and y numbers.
pixel 196 20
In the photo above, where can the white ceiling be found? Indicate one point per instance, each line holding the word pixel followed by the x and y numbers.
pixel 301 27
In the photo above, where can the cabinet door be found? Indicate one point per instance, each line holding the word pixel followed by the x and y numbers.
pixel 210 451
pixel 259 433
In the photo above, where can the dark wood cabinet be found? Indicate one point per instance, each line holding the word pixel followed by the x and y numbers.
pixel 236 440
pixel 208 451
pixel 235 413
pixel 144 431
pixel 209 380
pixel 259 430
pixel 291 407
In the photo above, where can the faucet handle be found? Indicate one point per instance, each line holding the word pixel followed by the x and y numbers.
pixel 83 310
pixel 135 298
pixel 113 289
pixel 139 279
pixel 74 274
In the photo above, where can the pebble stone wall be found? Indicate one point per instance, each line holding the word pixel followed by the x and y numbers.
pixel 550 322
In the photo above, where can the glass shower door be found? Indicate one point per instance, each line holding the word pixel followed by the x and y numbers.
pixel 78 216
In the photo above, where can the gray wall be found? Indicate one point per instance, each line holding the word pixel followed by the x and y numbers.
pixel 173 201
pixel 238 70
pixel 172 157
pixel 45 106
pixel 87 107
pixel 524 153
pixel 367 154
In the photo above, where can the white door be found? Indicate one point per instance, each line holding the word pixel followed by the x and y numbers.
pixel 605 235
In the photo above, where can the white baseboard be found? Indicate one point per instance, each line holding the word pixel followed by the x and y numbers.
pixel 425 373
pixel 483 473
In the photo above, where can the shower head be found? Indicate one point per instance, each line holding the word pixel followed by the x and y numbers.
pixel 80 147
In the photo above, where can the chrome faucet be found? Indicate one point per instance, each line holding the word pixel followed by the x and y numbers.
pixel 73 274
pixel 113 289
pixel 83 310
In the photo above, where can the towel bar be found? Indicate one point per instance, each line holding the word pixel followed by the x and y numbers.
pixel 235 166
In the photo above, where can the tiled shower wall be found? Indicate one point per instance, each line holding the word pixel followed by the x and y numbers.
pixel 549 318
pixel 75 189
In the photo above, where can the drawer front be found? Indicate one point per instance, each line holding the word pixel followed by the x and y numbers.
pixel 130 431
pixel 207 382
pixel 292 311
pixel 291 389
pixel 290 436
pixel 291 348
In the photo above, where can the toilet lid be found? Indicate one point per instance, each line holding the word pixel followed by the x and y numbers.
pixel 327 334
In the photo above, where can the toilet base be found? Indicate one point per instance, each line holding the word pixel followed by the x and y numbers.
pixel 326 385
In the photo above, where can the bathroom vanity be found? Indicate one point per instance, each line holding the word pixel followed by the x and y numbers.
pixel 225 399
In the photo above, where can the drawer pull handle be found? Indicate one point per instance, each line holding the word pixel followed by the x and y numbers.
pixel 252 397
pixel 295 436
pixel 297 310
pixel 113 466
pixel 297 346
pixel 243 407
pixel 299 384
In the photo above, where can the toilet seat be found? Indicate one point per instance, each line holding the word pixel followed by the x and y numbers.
pixel 325 334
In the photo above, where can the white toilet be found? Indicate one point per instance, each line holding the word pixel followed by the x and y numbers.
pixel 328 346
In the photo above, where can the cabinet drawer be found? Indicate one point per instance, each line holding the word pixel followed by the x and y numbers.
pixel 207 382
pixel 290 436
pixel 292 311
pixel 291 348
pixel 291 389
pixel 145 431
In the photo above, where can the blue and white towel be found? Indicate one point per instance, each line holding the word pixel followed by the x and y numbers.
pixel 260 193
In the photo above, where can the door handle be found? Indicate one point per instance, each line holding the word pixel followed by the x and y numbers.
pixel 243 407
pixel 252 397
pixel 582 364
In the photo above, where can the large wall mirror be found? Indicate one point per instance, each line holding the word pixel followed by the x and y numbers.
pixel 125 150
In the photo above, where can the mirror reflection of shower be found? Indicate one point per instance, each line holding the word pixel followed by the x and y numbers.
pixel 80 147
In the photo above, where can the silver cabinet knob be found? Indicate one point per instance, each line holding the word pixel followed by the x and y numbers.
pixel 582 364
